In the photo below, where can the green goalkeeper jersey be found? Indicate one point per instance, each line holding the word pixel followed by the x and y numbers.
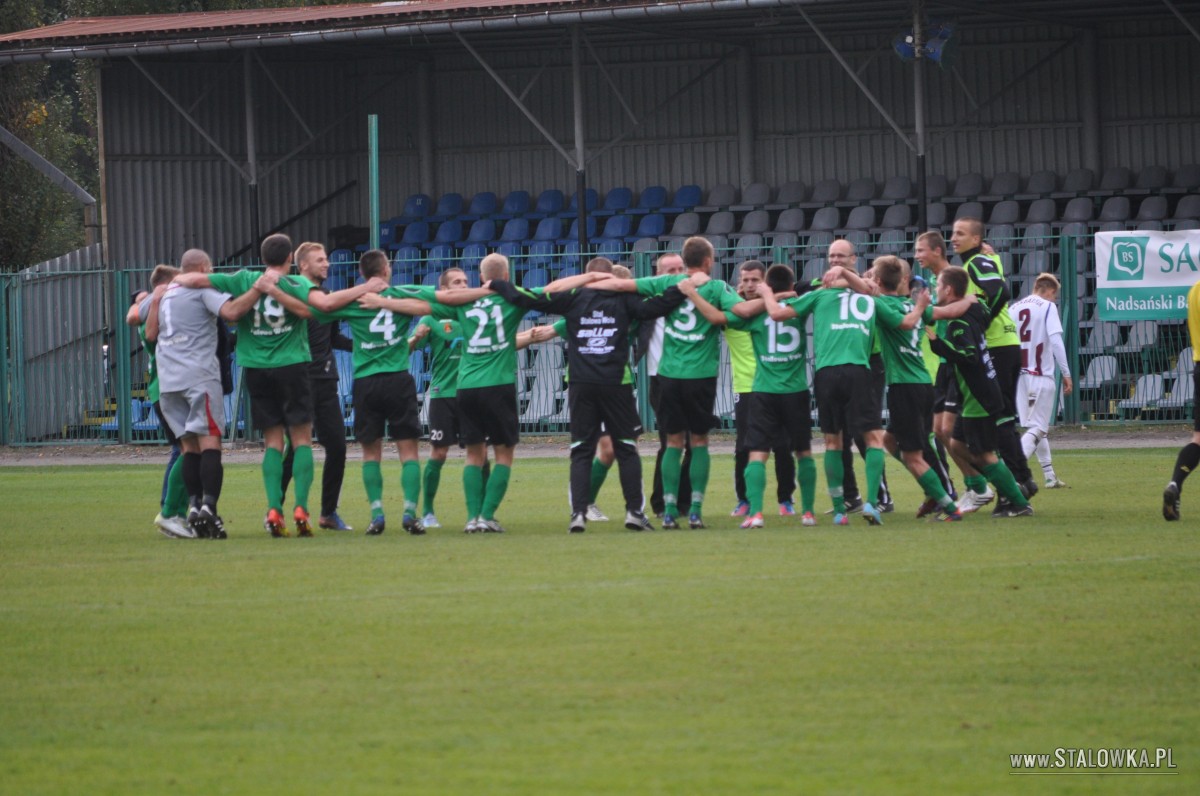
pixel 380 336
pixel 903 357
pixel 780 351
pixel 445 347
pixel 268 336
pixel 843 325
pixel 691 345
pixel 489 328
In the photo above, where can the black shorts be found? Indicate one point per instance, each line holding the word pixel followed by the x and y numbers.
pixel 279 396
pixel 489 414
pixel 1195 414
pixel 1007 359
pixel 686 405
pixel 945 390
pixel 172 440
pixel 847 401
pixel 598 409
pixel 978 432
pixel 444 429
pixel 773 418
pixel 386 402
pixel 910 413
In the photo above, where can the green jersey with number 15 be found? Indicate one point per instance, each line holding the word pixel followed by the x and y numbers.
pixel 380 336
pixel 691 345
pixel 268 335
pixel 843 325
pixel 489 329
pixel 780 350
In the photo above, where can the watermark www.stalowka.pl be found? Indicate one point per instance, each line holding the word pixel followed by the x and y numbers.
pixel 1084 760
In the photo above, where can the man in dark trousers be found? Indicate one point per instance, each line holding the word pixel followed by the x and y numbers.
pixel 601 391
pixel 329 421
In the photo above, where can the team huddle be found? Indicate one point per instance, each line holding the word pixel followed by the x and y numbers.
pixel 957 373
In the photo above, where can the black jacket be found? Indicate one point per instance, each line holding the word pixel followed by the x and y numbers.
pixel 323 340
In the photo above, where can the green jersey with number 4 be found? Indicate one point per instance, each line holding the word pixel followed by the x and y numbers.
pixel 780 352
pixel 691 344
pixel 489 328
pixel 380 336
pixel 268 336
pixel 903 357
pixel 843 325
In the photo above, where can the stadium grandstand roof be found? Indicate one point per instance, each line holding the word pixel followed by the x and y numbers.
pixel 100 37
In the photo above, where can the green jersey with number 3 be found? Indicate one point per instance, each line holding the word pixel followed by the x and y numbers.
pixel 903 357
pixel 380 336
pixel 843 325
pixel 489 329
pixel 268 335
pixel 691 344
pixel 780 351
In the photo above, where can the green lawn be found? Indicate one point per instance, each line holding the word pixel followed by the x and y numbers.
pixel 912 658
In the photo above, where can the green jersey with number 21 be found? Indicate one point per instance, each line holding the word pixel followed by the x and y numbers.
pixel 489 329
pixel 268 336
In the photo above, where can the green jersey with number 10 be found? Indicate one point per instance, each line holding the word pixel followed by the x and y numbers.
pixel 268 336
pixel 489 328
pixel 691 345
pixel 843 325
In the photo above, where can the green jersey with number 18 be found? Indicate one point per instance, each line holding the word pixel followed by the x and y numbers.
pixel 380 336
pixel 780 351
pixel 903 357
pixel 843 325
pixel 489 328
pixel 691 344
pixel 268 336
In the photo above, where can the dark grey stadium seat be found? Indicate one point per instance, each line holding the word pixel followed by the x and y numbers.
pixel 1187 209
pixel 1034 238
pixel 756 195
pixel 1151 179
pixel 896 217
pixel 1041 211
pixel 685 226
pixel 720 226
pixel 893 241
pixel 936 187
pixel 1116 179
pixel 1114 210
pixel 896 189
pixel 756 221
pixel 859 192
pixel 1041 184
pixel 1076 183
pixel 969 210
pixel 825 192
pixel 821 231
pixel 936 215
pixel 1152 208
pixel 719 197
pixel 787 228
pixel 1186 180
pixel 790 194
pixel 1080 208
pixel 1004 185
pixel 967 188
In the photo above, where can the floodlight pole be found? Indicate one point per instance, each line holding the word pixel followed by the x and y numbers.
pixel 373 175
pixel 251 153
pixel 919 114
pixel 580 144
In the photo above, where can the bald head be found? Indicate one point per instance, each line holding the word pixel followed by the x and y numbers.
pixel 494 266
pixel 841 252
pixel 669 264
pixel 195 261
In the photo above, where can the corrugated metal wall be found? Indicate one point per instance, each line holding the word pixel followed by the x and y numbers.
pixel 167 189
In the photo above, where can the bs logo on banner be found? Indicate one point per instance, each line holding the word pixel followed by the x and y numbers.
pixel 1145 275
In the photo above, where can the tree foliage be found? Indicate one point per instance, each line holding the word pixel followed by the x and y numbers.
pixel 52 108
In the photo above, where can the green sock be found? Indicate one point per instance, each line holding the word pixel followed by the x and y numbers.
pixel 272 473
pixel 473 489
pixel 806 475
pixel 176 504
pixel 410 482
pixel 373 481
pixel 497 485
pixel 302 470
pixel 671 469
pixel 875 459
pixel 699 476
pixel 976 483
pixel 433 477
pixel 932 485
pixel 1006 485
pixel 756 484
pixel 834 475
pixel 599 473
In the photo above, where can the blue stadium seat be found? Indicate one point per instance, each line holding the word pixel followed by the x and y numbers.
pixel 515 229
pixel 415 234
pixel 686 197
pixel 536 277
pixel 550 202
pixel 416 369
pixel 473 254
pixel 612 248
pixel 649 226
pixel 406 265
pixel 573 233
pixel 448 232
pixel 617 227
pixel 616 201
pixel 482 231
pixel 593 199
pixel 541 254
pixel 449 206
pixel 515 204
pixel 431 278
pixel 483 205
pixel 651 201
pixel 549 228
pixel 514 251
pixel 416 208
pixel 387 233
pixel 472 275
pixel 442 257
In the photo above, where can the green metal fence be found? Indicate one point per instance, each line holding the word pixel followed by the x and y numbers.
pixel 74 373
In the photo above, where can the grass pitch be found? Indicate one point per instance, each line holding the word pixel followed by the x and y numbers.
pixel 911 658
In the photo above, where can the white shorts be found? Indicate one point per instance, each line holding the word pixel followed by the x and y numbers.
pixel 1035 401
pixel 197 411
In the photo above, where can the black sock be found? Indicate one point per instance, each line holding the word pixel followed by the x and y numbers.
pixel 212 476
pixel 191 478
pixel 1188 459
